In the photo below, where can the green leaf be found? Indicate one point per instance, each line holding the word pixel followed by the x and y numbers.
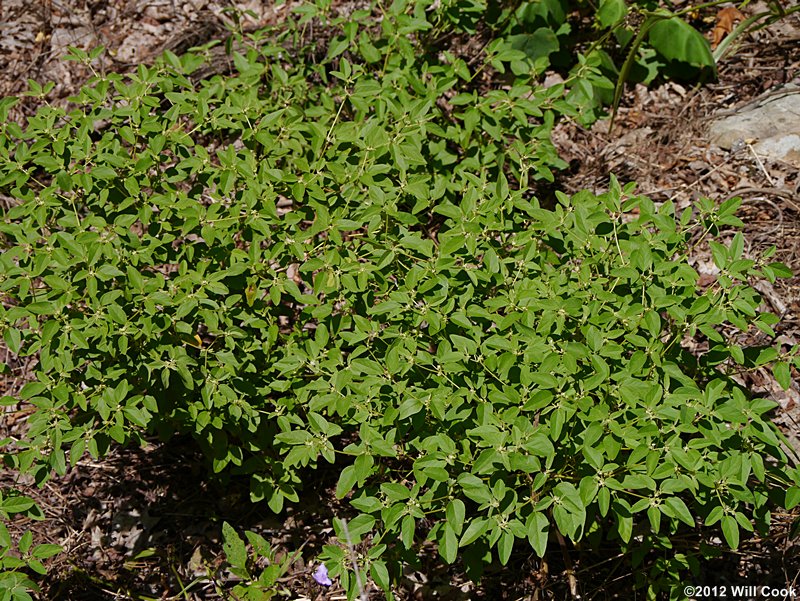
pixel 677 508
pixel 504 546
pixel 234 547
pixel 793 497
pixel 611 12
pixel 781 370
pixel 475 488
pixel 676 40
pixel 104 172
pixel 781 270
pixel 336 47
pixel 624 516
pixel 5 537
pixel 730 529
pixel 37 566
pixel 448 544
pixel 347 480
pixel 380 574
pixel 13 339
pixel 25 542
pixel 542 42
pixel 456 510
pixel 477 528
pixel 538 527
pixel 356 528
pixel 407 531
pixel 568 510
pixel 16 504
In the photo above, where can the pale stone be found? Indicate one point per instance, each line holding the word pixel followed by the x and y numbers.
pixel 771 123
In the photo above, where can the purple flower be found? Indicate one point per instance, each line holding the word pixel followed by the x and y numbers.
pixel 321 575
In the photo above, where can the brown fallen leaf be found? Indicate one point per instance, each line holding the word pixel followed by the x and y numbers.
pixel 727 18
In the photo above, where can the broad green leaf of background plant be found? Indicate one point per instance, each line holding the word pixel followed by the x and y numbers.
pixel 542 42
pixel 543 12
pixel 235 550
pixel 611 12
pixel 676 40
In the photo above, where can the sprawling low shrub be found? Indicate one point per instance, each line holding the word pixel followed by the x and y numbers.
pixel 343 263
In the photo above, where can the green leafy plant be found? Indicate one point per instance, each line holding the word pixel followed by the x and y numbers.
pixel 259 582
pixel 344 261
pixel 629 41
pixel 21 557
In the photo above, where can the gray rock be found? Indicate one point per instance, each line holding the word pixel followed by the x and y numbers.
pixel 771 122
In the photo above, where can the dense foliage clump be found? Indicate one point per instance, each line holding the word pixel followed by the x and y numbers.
pixel 345 262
